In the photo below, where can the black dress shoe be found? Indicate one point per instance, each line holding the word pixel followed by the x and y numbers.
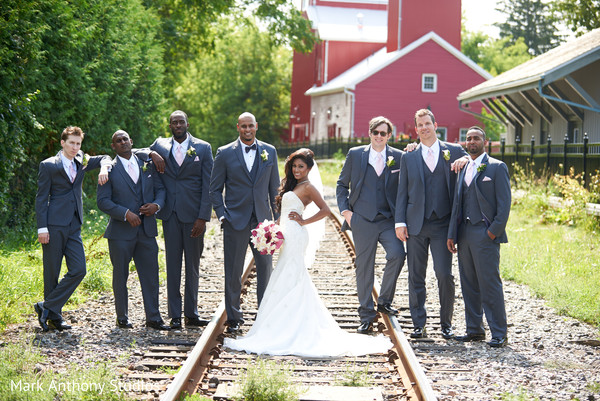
pixel 387 309
pixel 498 342
pixel 176 323
pixel 447 333
pixel 419 332
pixel 58 324
pixel 233 327
pixel 365 328
pixel 158 325
pixel 470 337
pixel 42 315
pixel 194 321
pixel 124 324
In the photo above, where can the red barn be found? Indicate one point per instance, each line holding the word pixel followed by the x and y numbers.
pixel 376 58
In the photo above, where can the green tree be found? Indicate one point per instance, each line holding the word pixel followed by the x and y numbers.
pixel 188 27
pixel 494 55
pixel 88 65
pixel 245 72
pixel 531 20
pixel 581 16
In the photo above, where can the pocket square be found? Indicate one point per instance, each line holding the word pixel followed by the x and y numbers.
pixel 394 171
pixel 196 159
pixel 486 178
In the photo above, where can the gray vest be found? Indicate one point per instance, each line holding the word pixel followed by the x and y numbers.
pixel 139 201
pixel 373 200
pixel 437 198
pixel 470 206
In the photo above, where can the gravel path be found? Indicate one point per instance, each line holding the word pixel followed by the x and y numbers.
pixel 549 356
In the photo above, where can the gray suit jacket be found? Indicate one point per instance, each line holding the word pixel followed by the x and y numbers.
pixel 118 195
pixel 492 187
pixel 353 172
pixel 57 198
pixel 242 195
pixel 410 202
pixel 187 185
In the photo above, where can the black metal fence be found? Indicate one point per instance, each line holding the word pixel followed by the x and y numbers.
pixel 583 157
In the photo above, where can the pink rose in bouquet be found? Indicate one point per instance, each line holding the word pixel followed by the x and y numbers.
pixel 267 237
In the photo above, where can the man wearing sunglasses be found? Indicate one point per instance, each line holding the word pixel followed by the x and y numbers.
pixel 366 196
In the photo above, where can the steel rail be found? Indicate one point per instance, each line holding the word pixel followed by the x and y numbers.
pixel 196 365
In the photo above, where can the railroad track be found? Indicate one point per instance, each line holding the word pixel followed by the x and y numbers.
pixel 203 366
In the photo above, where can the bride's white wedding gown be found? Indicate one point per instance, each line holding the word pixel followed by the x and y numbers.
pixel 292 319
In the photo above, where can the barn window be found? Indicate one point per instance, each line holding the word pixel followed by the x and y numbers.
pixel 429 82
pixel 442 133
pixel 463 135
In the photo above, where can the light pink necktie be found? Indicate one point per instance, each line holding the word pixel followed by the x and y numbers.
pixel 379 164
pixel 430 161
pixel 469 173
pixel 179 155
pixel 132 172
pixel 72 171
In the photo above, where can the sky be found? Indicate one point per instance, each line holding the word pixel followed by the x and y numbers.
pixel 481 15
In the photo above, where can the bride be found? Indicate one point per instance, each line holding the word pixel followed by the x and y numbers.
pixel 292 319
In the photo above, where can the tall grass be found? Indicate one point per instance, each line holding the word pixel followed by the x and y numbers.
pixel 24 375
pixel 554 251
pixel 21 272
pixel 266 380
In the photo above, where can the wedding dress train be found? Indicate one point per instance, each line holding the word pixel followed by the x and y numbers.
pixel 292 318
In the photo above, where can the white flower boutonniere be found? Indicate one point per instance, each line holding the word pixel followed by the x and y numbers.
pixel 264 155
pixel 145 167
pixel 446 153
pixel 86 159
pixel 390 161
pixel 191 152
pixel 481 167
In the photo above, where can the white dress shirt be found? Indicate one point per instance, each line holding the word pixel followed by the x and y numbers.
pixel 250 155
pixel 184 146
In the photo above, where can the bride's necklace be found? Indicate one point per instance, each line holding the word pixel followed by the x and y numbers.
pixel 302 182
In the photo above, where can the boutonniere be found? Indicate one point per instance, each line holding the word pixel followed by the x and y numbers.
pixel 481 167
pixel 191 152
pixel 264 155
pixel 86 159
pixel 390 161
pixel 446 154
pixel 145 167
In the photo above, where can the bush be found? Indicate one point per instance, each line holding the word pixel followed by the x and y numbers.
pixel 266 381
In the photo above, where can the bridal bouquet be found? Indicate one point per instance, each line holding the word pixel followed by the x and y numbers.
pixel 267 237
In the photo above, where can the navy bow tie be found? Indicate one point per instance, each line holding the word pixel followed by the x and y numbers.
pixel 248 148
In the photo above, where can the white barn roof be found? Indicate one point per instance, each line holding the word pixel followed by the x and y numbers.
pixel 348 24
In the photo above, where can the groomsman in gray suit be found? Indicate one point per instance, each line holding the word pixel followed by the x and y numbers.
pixel 478 227
pixel 423 207
pixel 59 210
pixel 366 196
pixel 131 199
pixel 185 163
pixel 247 170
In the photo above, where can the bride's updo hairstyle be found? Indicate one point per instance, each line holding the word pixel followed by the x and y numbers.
pixel 289 182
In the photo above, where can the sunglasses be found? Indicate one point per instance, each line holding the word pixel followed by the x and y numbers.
pixel 382 133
